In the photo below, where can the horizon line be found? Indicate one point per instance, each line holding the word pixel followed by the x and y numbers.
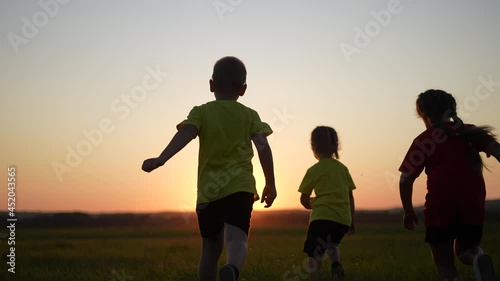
pixel 194 211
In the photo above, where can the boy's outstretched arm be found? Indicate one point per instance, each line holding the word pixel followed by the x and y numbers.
pixel 266 161
pixel 406 191
pixel 178 142
pixel 493 148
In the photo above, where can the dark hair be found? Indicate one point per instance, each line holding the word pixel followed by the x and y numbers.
pixel 229 74
pixel 325 142
pixel 440 106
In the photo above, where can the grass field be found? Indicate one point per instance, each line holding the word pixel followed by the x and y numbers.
pixel 375 252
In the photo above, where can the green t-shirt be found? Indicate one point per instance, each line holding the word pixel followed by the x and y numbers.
pixel 331 183
pixel 225 129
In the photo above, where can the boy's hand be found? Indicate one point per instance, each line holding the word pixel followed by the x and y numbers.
pixel 268 195
pixel 151 164
pixel 410 219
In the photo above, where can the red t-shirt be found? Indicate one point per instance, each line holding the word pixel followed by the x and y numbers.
pixel 454 187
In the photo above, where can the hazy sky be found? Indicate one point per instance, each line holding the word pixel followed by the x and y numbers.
pixel 92 88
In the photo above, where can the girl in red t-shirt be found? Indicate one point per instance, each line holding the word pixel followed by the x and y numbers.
pixel 454 207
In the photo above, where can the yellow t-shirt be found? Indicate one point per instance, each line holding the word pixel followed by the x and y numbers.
pixel 331 183
pixel 225 129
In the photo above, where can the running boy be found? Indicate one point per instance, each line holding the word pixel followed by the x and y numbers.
pixel 226 186
pixel 332 213
pixel 454 205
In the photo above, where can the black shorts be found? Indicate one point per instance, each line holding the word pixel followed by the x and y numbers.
pixel 235 209
pixel 323 235
pixel 467 235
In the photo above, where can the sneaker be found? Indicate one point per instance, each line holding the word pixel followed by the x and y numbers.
pixel 228 273
pixel 483 268
pixel 338 271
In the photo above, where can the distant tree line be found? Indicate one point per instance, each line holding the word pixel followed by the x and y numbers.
pixel 188 220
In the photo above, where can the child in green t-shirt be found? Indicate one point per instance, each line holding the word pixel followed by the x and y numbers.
pixel 332 213
pixel 226 186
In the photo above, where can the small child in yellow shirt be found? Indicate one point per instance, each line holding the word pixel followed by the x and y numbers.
pixel 332 213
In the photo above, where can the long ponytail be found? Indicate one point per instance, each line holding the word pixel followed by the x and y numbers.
pixel 438 106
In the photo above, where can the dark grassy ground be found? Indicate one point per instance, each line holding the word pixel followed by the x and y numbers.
pixel 375 252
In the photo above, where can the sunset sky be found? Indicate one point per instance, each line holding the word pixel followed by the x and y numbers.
pixel 92 88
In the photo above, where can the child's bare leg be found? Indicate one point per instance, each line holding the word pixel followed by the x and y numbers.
pixel 314 268
pixel 210 253
pixel 236 246
pixel 334 254
pixel 444 260
pixel 467 254
pixel 484 268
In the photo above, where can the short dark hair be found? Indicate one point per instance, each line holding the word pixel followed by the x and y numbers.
pixel 229 74
pixel 325 142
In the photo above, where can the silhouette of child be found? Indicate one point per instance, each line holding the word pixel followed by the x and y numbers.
pixel 226 186
pixel 332 213
pixel 454 206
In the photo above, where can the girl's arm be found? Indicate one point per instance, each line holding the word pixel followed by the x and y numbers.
pixel 406 191
pixel 351 202
pixel 305 200
pixel 493 148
